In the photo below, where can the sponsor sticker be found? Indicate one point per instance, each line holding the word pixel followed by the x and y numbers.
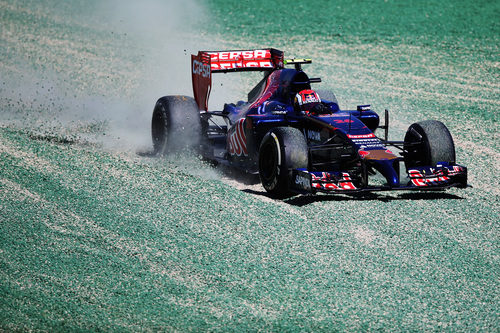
pixel 361 136
pixel 313 135
pixel 369 143
pixel 200 68
pixel 240 59
pixel 303 182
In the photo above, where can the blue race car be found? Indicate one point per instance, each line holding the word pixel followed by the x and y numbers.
pixel 296 139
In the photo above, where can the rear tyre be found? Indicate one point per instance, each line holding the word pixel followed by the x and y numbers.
pixel 282 149
pixel 427 143
pixel 175 124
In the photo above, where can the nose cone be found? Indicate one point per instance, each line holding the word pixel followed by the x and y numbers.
pixel 385 162
pixel 389 168
pixel 377 155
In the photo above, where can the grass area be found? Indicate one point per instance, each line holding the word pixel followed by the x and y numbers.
pixel 463 25
pixel 95 237
pixel 92 240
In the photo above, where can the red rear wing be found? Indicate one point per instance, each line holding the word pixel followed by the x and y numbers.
pixel 208 62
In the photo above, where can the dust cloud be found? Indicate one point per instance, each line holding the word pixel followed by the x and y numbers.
pixel 97 75
pixel 91 72
pixel 165 33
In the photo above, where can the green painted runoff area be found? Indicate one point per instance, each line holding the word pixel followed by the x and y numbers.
pixel 95 237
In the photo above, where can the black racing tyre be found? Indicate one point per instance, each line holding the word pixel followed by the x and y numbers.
pixel 282 149
pixel 327 95
pixel 427 143
pixel 175 124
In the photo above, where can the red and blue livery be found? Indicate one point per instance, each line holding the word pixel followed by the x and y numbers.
pixel 298 139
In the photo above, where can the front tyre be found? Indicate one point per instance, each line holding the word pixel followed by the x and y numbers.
pixel 427 143
pixel 282 149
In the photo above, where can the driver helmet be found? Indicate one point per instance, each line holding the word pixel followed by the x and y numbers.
pixel 306 100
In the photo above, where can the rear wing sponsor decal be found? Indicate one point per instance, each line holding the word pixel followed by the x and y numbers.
pixel 208 62
pixel 264 59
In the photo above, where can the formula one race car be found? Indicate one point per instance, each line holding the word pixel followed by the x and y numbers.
pixel 296 139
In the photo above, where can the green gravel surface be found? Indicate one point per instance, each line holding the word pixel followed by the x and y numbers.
pixel 95 237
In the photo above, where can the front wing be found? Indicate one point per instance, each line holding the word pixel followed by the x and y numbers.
pixel 440 177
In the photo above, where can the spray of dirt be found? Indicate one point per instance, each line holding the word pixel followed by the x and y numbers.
pixel 100 88
pixel 95 79
pixel 165 33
